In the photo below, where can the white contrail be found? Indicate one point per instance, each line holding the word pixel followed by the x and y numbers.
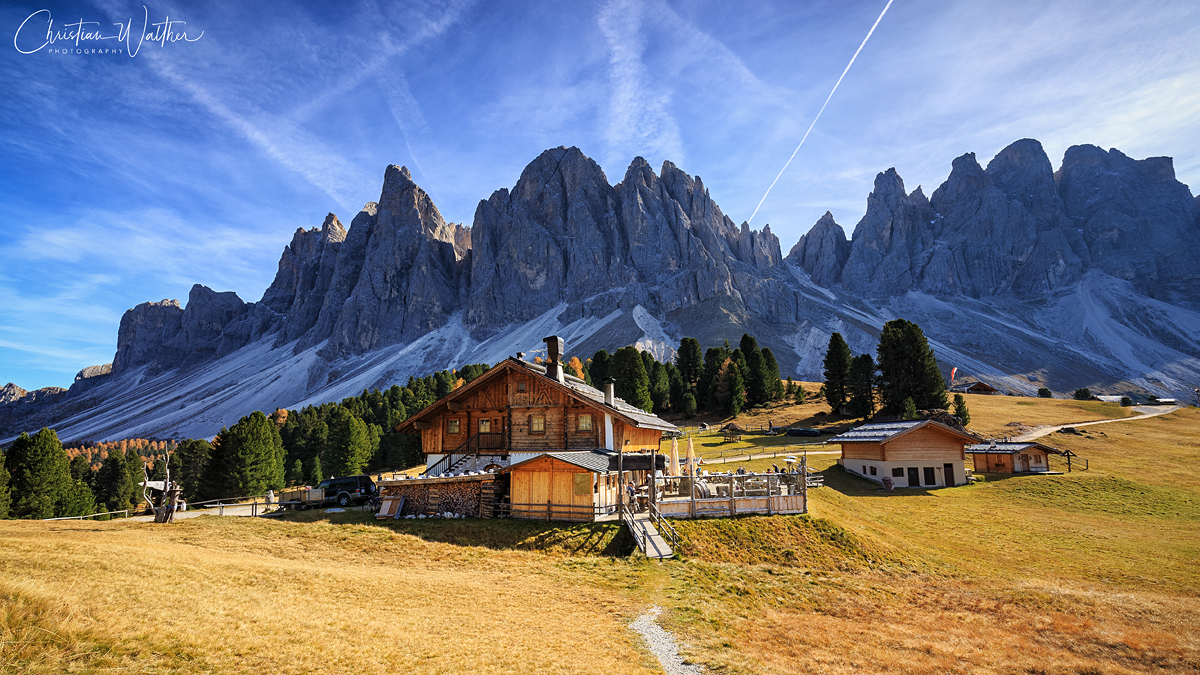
pixel 814 122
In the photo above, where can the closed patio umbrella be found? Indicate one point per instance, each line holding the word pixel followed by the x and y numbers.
pixel 691 456
pixel 673 467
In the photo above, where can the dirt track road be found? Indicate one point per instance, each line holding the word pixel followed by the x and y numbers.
pixel 1145 410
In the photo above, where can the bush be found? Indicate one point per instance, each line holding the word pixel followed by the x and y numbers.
pixel 1045 393
pixel 1083 394
pixel 1126 401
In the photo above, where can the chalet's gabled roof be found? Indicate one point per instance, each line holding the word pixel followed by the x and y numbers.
pixel 596 461
pixel 574 386
pixel 884 432
pixel 1008 448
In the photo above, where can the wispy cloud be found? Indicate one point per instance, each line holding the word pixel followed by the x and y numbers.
pixel 639 121
pixel 155 242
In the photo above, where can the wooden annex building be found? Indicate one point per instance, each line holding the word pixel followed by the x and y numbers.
pixel 919 453
pixel 553 443
pixel 975 388
pixel 1008 457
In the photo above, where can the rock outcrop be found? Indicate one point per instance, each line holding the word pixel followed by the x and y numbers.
pixel 1017 228
pixel 822 251
pixel 11 393
pixel 147 337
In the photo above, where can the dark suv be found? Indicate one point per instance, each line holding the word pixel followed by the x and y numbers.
pixel 348 490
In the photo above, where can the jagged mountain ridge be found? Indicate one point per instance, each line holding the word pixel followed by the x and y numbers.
pixel 1021 275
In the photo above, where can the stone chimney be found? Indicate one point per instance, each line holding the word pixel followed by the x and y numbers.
pixel 610 393
pixel 554 354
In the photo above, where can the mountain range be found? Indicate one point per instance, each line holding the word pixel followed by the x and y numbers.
pixel 1020 275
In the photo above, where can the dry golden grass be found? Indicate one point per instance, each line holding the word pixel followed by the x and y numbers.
pixel 1093 572
pixel 241 595
pixel 789 621
pixel 991 415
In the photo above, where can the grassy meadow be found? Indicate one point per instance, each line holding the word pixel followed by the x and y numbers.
pixel 1089 572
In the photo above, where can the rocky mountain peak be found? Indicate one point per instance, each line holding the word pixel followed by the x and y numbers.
pixel 822 251
pixel 1022 170
pixel 11 393
pixel 332 230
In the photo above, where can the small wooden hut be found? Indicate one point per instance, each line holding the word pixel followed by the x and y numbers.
pixel 573 486
pixel 1008 457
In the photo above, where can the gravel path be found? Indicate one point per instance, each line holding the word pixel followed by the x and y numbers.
pixel 1146 411
pixel 662 644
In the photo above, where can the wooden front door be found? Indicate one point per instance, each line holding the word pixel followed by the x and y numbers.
pixel 948 471
pixel 914 477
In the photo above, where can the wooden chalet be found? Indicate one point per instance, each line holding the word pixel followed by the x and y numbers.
pixel 918 453
pixel 1009 457
pixel 544 433
pixel 975 388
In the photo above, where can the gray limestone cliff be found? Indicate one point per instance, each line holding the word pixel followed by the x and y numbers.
pixel 822 251
pixel 1018 228
pixel 565 240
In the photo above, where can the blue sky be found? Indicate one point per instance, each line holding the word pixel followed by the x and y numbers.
pixel 126 179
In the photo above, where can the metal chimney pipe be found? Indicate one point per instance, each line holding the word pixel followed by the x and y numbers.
pixel 610 393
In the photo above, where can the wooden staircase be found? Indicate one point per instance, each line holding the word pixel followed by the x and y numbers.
pixel 641 526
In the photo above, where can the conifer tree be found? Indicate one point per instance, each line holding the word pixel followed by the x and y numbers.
pixel 133 465
pixel 315 475
pixel 690 361
pixel 960 409
pixel 714 358
pixel 908 369
pixel 689 404
pixel 114 487
pixel 76 500
pixel 660 388
pixel 730 391
pixel 632 382
pixel 249 457
pixel 909 409
pixel 837 371
pixel 758 391
pixel 39 475
pixel 676 387
pixel 860 386
pixel 81 469
pixel 575 367
pixel 600 365
pixel 192 456
pixel 5 493
pixel 773 383
pixel 349 444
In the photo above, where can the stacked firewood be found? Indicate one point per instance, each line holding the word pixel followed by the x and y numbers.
pixel 457 498
pixel 415 496
pixel 422 497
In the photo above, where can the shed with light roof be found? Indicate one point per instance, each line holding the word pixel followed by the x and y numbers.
pixel 917 453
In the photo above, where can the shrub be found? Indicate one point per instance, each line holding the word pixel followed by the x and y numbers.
pixel 1045 393
pixel 1083 394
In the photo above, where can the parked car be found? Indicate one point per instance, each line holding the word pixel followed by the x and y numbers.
pixel 803 432
pixel 347 490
